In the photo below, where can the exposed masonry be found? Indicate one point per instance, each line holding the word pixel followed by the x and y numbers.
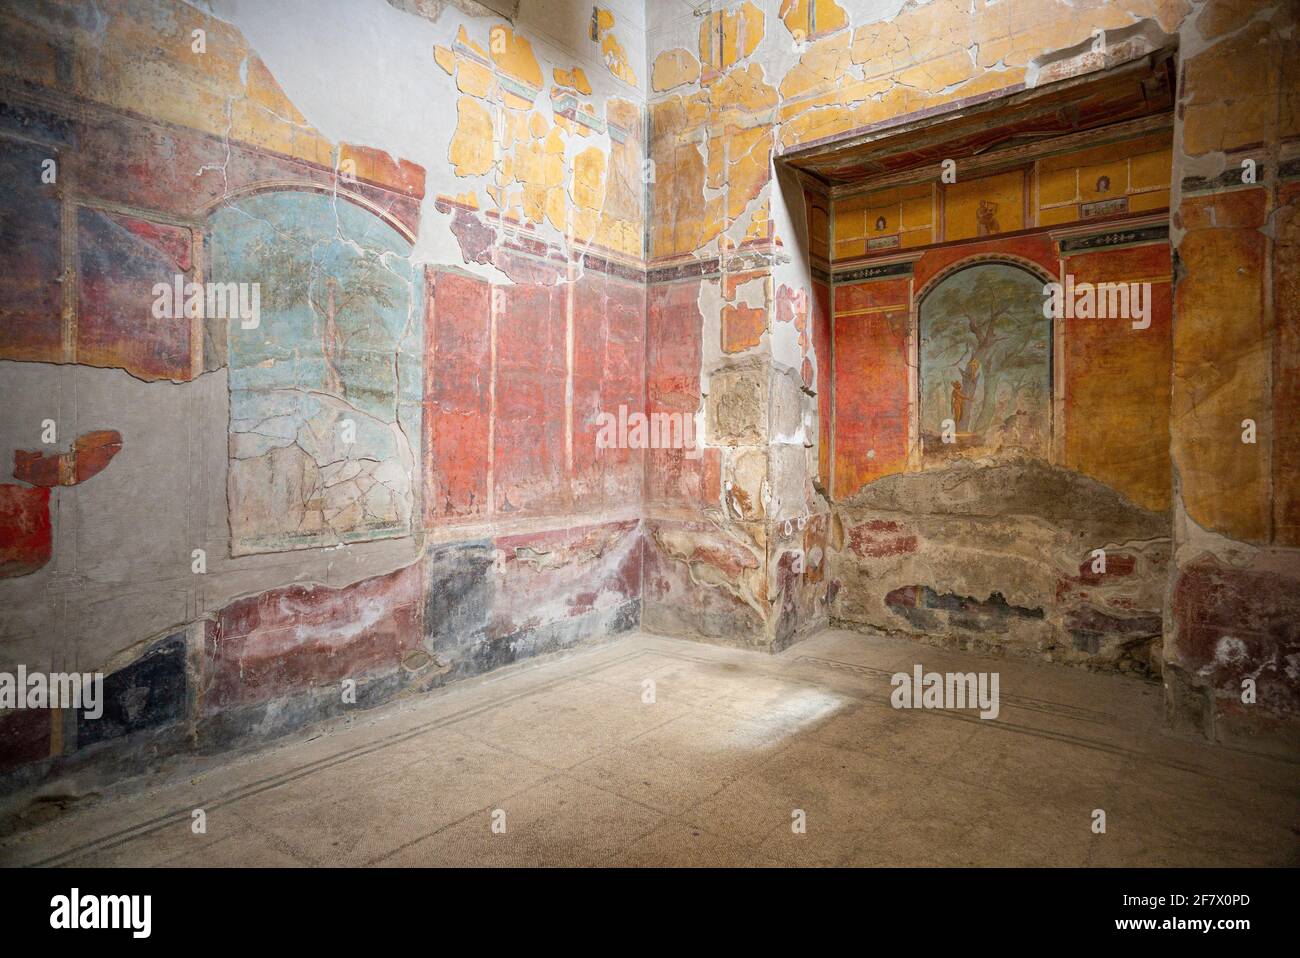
pixel 1000 559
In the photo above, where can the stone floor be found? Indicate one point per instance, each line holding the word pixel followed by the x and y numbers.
pixel 711 772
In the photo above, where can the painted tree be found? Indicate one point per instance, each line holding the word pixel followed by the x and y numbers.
pixel 343 287
pixel 986 329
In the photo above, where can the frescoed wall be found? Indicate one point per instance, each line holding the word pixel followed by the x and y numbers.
pixel 1001 474
pixel 366 449
pixel 1141 421
pixel 474 235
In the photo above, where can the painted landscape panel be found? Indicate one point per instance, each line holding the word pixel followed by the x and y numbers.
pixel 985 356
pixel 325 390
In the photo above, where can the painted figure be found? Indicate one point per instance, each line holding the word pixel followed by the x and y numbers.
pixel 959 400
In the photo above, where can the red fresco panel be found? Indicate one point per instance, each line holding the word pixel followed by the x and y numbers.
pixel 530 399
pixel 623 382
pixel 1286 368
pixel 821 339
pixel 871 399
pixel 26 536
pixel 673 385
pixel 119 260
pixel 457 401
pixel 589 343
pixel 88 456
pixel 609 368
pixel 31 298
pixel 183 171
pixel 673 346
pixel 1038 249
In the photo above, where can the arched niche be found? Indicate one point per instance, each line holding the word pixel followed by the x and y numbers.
pixel 984 361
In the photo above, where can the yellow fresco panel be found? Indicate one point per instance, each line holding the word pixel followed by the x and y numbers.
pixel 1058 214
pixel 984 207
pixel 848 225
pixel 847 248
pixel 851 204
pixel 1150 169
pixel 1103 181
pixel 1057 186
pixel 1107 152
pixel 1154 200
pixel 918 212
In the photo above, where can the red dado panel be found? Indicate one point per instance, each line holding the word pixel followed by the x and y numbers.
pixel 562 573
pixel 292 639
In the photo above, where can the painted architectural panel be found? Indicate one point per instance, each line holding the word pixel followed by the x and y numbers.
pixel 31 325
pixel 870 375
pixel 530 424
pixel 120 260
pixel 1109 181
pixel 1124 444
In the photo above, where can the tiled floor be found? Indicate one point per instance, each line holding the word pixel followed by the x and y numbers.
pixel 582 770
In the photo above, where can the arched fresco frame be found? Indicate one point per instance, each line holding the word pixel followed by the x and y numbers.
pixel 917 458
pixel 204 212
